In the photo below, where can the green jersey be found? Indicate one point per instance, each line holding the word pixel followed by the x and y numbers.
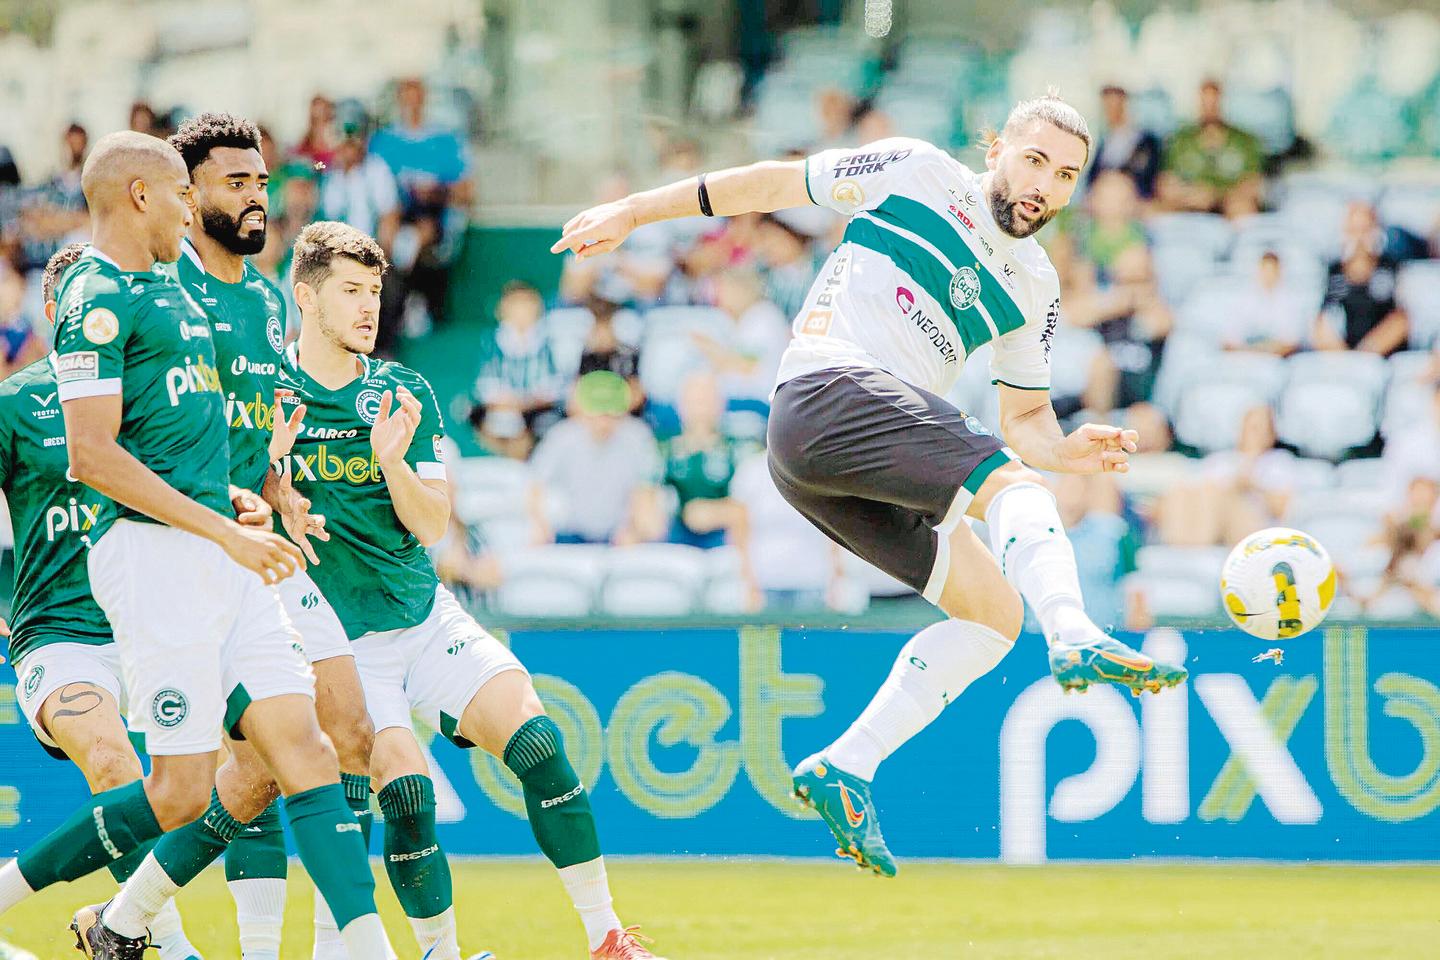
pixel 373 570
pixel 52 515
pixel 247 321
pixel 140 335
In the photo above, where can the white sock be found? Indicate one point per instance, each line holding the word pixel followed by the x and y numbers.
pixel 140 899
pixel 260 912
pixel 438 932
pixel 328 943
pixel 1029 540
pixel 168 934
pixel 934 668
pixel 13 887
pixel 365 938
pixel 589 890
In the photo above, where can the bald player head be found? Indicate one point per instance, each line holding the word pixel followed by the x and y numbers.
pixel 138 190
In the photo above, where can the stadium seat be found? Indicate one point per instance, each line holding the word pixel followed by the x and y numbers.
pixel 725 591
pixel 1363 564
pixel 1307 474
pixel 668 352
pixel 919 110
pixel 1326 419
pixel 1368 126
pixel 1418 292
pixel 1266 113
pixel 653 580
pixel 1394 605
pixel 1179 269
pixel 1201 564
pixel 1366 371
pixel 1207 232
pixel 488 487
pixel 1207 310
pixel 1405 405
pixel 553 581
pixel 1409 366
pixel 1185 354
pixel 566 328
pixel 1362 473
pixel 1411 205
pixel 1209 414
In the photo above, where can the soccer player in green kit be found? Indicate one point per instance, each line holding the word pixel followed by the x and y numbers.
pixel 246 314
pixel 189 592
pixel 370 460
pixel 70 687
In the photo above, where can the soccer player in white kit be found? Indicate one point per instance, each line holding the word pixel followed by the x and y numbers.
pixel 936 260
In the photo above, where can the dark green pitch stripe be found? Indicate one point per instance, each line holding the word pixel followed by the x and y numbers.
pixel 927 271
pixel 941 233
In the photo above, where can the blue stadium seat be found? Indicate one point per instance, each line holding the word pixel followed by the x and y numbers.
pixel 1418 292
pixel 1366 371
pixel 1206 232
pixel 1266 113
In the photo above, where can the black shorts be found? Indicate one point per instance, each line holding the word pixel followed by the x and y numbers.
pixel 883 468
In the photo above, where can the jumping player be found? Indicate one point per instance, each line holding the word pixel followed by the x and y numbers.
pixel 935 261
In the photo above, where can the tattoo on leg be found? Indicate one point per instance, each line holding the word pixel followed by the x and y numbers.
pixel 85 700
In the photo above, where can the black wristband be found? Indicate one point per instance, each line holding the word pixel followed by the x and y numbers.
pixel 705 198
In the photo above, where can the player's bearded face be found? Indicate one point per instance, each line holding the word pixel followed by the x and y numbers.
pixel 1018 213
pixel 348 307
pixel 242 233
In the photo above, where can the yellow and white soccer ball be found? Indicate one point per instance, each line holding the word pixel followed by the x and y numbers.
pixel 1277 584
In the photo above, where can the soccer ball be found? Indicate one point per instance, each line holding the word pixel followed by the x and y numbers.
pixel 1277 584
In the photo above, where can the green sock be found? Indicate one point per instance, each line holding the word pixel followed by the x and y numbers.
pixel 108 826
pixel 417 866
pixel 555 800
pixel 185 852
pixel 328 841
pixel 258 850
pixel 357 794
pixel 122 869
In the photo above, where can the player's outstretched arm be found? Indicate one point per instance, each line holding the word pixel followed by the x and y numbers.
pixel 1030 427
pixel 98 461
pixel 758 188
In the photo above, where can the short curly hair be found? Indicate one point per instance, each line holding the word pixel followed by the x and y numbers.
pixel 60 261
pixel 199 135
pixel 322 241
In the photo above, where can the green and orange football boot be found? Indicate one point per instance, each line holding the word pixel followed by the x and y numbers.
pixel 1100 658
pixel 843 802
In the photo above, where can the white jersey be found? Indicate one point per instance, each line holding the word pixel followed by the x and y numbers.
pixel 923 275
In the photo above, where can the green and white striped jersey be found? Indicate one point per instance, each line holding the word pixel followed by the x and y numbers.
pixel 923 276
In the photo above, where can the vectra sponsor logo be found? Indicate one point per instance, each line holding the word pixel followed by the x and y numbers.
pixel 861 163
pixel 927 326
pixel 195 377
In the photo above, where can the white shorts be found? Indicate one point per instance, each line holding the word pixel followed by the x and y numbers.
pixel 200 637
pixel 46 669
pixel 321 632
pixel 433 669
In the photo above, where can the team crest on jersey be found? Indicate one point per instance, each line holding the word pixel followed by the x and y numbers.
pixel 367 404
pixel 32 682
pixel 847 192
pixel 275 334
pixel 100 326
pixel 169 708
pixel 964 288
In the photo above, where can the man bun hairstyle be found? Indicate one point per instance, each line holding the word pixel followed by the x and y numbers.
pixel 199 135
pixel 322 241
pixel 1050 108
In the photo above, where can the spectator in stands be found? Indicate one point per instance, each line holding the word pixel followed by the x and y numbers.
pixel 143 119
pixel 1104 545
pixel 1211 166
pixel 322 135
pixel 19 344
pixel 1126 309
pixel 786 255
pixel 1360 312
pixel 54 213
pixel 1235 493
pixel 430 163
pixel 9 170
pixel 1419 453
pixel 1112 226
pixel 1124 146
pixel 1270 316
pixel 749 358
pixel 699 463
pixel 1411 534
pixel 787 564
pixel 601 465
pixel 358 188
pixel 604 350
pixel 1362 230
pixel 835 114
pixel 519 386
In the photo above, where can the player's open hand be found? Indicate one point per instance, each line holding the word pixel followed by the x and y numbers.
pixel 394 427
pixel 299 523
pixel 268 555
pixel 1096 448
pixel 597 230
pixel 251 510
pixel 286 429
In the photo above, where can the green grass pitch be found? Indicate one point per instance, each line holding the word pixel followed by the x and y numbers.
pixel 757 910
